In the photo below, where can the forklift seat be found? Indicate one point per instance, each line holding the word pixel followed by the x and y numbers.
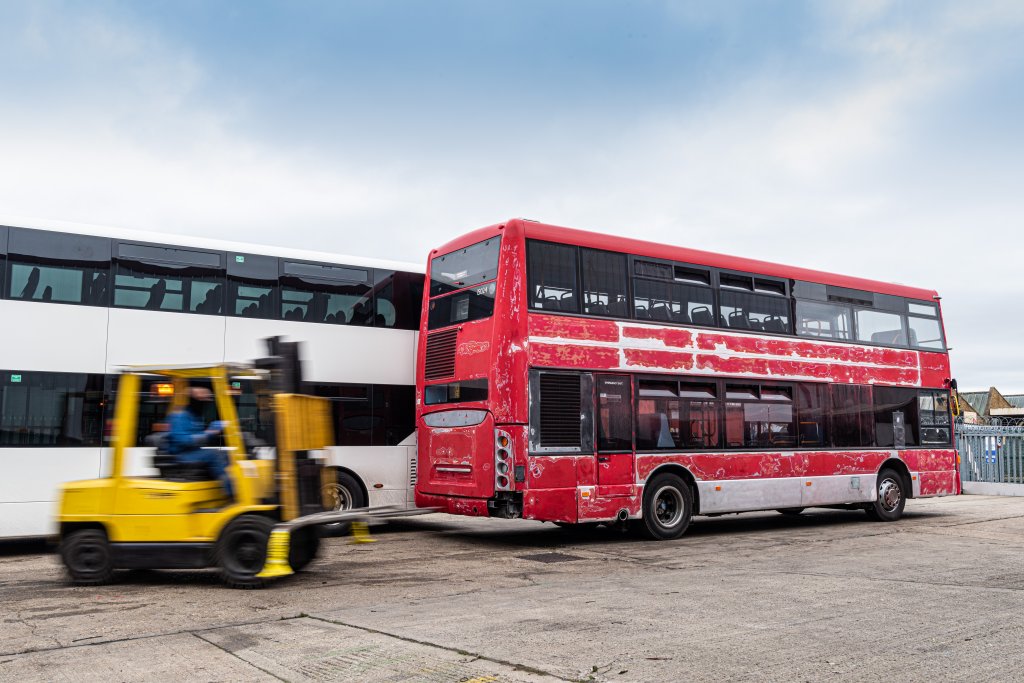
pixel 172 470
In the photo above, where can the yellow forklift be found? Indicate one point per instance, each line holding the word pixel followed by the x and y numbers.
pixel 182 518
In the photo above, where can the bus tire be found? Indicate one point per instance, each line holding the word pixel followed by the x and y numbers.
pixel 888 506
pixel 305 543
pixel 87 557
pixel 346 494
pixel 242 550
pixel 668 507
pixel 791 512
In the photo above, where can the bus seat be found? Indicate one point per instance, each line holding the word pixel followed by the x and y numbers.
pixel 702 316
pixel 172 470
pixel 680 317
pixel 774 323
pixel 642 313
pixel 597 309
pixel 660 312
pixel 619 309
pixel 550 303
pixel 738 320
pixel 889 337
pixel 568 303
pixel 664 434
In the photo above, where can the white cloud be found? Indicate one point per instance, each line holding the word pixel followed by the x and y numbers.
pixel 826 173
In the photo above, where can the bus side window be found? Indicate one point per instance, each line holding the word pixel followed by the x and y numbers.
pixel 551 277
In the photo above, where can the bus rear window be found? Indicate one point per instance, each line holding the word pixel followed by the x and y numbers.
pixel 465 267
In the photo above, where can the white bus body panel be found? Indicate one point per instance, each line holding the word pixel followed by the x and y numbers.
pixel 51 337
pixel 332 353
pixel 163 338
pixel 29 489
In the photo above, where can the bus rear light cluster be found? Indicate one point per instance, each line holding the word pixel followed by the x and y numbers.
pixel 502 461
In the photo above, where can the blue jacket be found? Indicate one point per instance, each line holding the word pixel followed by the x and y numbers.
pixel 185 433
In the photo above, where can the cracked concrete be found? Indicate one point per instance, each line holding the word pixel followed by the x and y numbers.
pixel 827 595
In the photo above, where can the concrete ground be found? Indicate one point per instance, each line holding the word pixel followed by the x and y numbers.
pixel 824 596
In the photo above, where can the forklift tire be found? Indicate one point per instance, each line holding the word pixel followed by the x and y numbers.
pixel 304 547
pixel 346 494
pixel 86 554
pixel 242 550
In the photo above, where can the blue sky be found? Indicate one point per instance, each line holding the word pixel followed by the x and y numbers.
pixel 876 138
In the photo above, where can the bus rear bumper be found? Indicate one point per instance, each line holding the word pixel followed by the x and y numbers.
pixel 453 505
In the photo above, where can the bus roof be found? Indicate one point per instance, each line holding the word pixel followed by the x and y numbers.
pixel 628 245
pixel 205 243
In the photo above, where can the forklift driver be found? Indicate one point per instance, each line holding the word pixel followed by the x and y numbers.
pixel 187 436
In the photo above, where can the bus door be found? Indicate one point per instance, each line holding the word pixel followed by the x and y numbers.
pixel 616 469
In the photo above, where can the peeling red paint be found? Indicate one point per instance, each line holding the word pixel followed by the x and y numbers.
pixel 565 327
pixel 551 505
pixel 570 356
pixel 670 360
pixel 670 336
pixel 938 483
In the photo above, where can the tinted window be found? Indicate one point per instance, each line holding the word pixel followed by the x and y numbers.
pixel 604 283
pixel 759 312
pixel 3 259
pixel 252 286
pixel 50 409
pixel 354 423
pixel 471 304
pixel 672 302
pixel 880 327
pixel 933 413
pixel 160 287
pixel 551 277
pixel 614 414
pixel 698 415
pixel 657 416
pixel 394 411
pixel 340 303
pixel 852 416
pixel 465 267
pixel 58 267
pixel 174 256
pixel 764 420
pixel 455 392
pixel 830 321
pixel 322 271
pixel 812 410
pixel 398 298
pixel 887 402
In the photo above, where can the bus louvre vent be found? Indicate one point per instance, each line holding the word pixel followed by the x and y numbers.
pixel 560 411
pixel 440 361
pixel 412 470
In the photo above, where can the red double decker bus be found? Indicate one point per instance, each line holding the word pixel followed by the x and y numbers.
pixel 576 377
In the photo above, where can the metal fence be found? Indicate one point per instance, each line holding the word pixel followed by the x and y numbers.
pixel 992 452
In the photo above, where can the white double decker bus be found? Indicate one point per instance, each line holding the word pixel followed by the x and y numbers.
pixel 78 302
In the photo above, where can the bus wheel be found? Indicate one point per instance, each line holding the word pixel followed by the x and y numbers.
pixel 344 494
pixel 242 550
pixel 86 554
pixel 668 505
pixel 792 512
pixel 305 543
pixel 891 497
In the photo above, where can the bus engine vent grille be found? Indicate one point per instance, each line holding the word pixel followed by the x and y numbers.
pixel 413 470
pixel 560 411
pixel 440 360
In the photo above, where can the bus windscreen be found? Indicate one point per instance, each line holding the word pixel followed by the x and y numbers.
pixel 465 267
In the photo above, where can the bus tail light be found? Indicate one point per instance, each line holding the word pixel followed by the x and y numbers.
pixel 502 460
